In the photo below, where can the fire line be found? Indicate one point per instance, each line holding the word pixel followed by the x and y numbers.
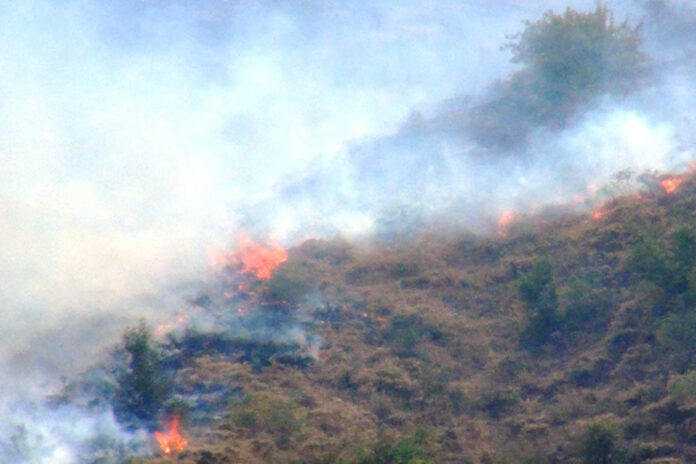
pixel 171 442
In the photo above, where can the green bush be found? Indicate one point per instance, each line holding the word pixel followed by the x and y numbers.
pixel 143 387
pixel 290 282
pixel 281 419
pixel 586 302
pixel 682 388
pixel 538 293
pixel 598 445
pixel 498 403
pixel 568 59
pixel 676 335
pixel 410 450
pixel 578 55
pixel 405 331
pixel 285 422
pixel 591 374
pixel 667 263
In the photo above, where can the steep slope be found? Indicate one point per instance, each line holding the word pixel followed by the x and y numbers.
pixel 421 353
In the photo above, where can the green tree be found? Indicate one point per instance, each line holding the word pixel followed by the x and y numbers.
pixel 538 293
pixel 579 55
pixel 598 444
pixel 676 335
pixel 410 450
pixel 143 387
pixel 586 302
pixel 669 263
pixel 567 60
pixel 682 388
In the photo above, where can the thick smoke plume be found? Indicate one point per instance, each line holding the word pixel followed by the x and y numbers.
pixel 137 138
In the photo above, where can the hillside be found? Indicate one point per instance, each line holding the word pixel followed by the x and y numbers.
pixel 429 349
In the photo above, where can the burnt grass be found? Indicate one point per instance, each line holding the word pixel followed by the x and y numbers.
pixel 567 340
pixel 257 353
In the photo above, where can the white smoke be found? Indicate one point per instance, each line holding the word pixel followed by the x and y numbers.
pixel 136 136
pixel 68 435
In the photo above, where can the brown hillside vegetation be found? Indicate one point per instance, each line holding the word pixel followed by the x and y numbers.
pixel 570 339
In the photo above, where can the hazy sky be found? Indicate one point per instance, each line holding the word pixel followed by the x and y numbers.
pixel 136 136
pixel 134 133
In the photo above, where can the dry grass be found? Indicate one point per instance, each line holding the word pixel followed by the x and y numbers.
pixel 426 334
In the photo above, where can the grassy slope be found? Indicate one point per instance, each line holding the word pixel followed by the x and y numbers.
pixel 425 334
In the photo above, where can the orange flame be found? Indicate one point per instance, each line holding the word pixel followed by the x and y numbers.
pixel 253 258
pixel 504 222
pixel 670 184
pixel 258 259
pixel 171 442
pixel 167 327
pixel 599 213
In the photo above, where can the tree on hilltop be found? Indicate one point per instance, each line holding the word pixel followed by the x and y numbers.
pixel 568 60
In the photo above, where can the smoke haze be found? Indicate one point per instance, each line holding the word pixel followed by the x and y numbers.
pixel 138 137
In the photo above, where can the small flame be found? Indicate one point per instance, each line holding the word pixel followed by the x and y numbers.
pixel 171 442
pixel 670 184
pixel 504 222
pixel 256 258
pixel 379 319
pixel 599 213
pixel 168 327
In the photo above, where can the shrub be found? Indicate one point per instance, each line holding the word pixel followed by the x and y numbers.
pixel 498 403
pixel 683 387
pixel 676 336
pixel 538 293
pixel 290 282
pixel 623 339
pixel 668 264
pixel 568 59
pixel 598 444
pixel 405 331
pixel 394 382
pixel 281 419
pixel 578 55
pixel 143 387
pixel 589 375
pixel 410 450
pixel 585 303
pixel 284 422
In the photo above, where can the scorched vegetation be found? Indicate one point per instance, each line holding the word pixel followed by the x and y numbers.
pixel 568 340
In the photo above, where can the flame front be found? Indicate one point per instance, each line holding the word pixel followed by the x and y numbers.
pixel 171 441
pixel 168 327
pixel 507 218
pixel 671 184
pixel 256 258
pixel 598 213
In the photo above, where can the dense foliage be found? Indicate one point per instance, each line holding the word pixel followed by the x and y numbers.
pixel 538 293
pixel 598 444
pixel 567 61
pixel 142 384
